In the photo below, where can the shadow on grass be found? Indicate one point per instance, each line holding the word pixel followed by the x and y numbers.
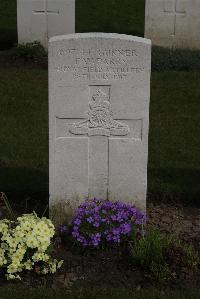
pixel 26 189
pixel 171 183
pixel 8 38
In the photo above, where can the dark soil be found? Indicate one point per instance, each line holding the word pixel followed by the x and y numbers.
pixel 178 219
pixel 113 268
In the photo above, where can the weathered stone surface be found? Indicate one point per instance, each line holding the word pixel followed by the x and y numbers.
pixel 99 89
pixel 38 20
pixel 173 23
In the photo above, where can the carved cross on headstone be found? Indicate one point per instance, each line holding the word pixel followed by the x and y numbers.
pixel 99 127
pixel 171 9
pixel 38 20
pixel 45 12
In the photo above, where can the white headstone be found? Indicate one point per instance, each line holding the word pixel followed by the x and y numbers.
pixel 99 90
pixel 38 20
pixel 173 23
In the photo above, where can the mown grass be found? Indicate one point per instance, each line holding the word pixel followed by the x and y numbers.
pixel 97 294
pixel 110 16
pixel 8 23
pixel 91 16
pixel 24 130
pixel 174 160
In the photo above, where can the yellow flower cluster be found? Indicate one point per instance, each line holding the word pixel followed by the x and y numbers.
pixel 24 243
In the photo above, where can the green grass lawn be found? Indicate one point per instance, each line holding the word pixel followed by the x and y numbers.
pixel 97 294
pixel 174 141
pixel 8 22
pixel 174 160
pixel 110 16
pixel 91 16
pixel 24 130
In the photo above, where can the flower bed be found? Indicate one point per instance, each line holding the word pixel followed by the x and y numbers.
pixel 145 257
pixel 98 223
pixel 24 245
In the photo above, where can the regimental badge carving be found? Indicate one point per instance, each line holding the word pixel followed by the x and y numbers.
pixel 100 120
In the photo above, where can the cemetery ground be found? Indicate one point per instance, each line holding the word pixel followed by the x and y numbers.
pixel 173 203
pixel 173 175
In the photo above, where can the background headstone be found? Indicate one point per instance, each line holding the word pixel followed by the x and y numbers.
pixel 38 20
pixel 173 23
pixel 99 90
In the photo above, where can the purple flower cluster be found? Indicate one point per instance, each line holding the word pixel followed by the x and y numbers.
pixel 98 221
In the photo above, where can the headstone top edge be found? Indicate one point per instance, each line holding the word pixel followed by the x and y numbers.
pixel 100 35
